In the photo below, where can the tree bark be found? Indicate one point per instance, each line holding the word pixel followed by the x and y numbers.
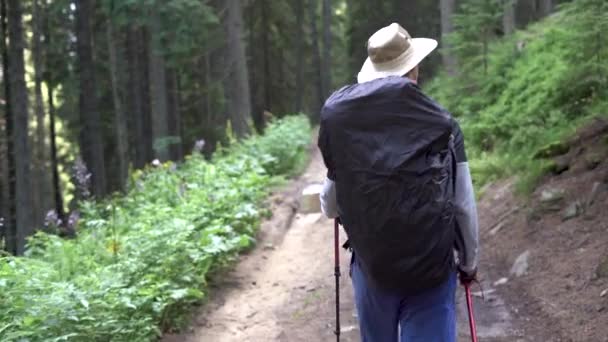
pixel 138 99
pixel 508 19
pixel 256 82
pixel 50 83
pixel 448 8
pixel 19 105
pixel 54 162
pixel 120 119
pixel 10 222
pixel 91 142
pixel 175 119
pixel 144 88
pixel 545 7
pixel 134 100
pixel 158 88
pixel 266 57
pixel 316 53
pixel 4 201
pixel 526 11
pixel 41 180
pixel 299 55
pixel 238 103
pixel 327 44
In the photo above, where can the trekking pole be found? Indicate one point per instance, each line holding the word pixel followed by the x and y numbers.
pixel 467 289
pixel 337 274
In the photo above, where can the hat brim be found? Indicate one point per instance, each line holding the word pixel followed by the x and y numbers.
pixel 421 47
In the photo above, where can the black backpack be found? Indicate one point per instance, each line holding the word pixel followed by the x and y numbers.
pixel 390 150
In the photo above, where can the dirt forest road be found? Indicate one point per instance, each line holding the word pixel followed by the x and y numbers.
pixel 284 289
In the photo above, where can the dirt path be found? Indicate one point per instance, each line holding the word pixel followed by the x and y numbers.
pixel 284 289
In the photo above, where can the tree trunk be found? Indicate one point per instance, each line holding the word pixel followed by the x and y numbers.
pixel 526 11
pixel 208 98
pixel 144 88
pixel 299 55
pixel 158 88
pixel 508 19
pixel 134 97
pixel 91 142
pixel 136 92
pixel 54 163
pixel 4 202
pixel 545 7
pixel 174 114
pixel 448 8
pixel 327 43
pixel 41 180
pixel 238 103
pixel 50 84
pixel 120 119
pixel 266 57
pixel 256 83
pixel 19 105
pixel 10 222
pixel 312 6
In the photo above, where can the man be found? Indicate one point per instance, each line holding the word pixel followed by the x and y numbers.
pixel 399 181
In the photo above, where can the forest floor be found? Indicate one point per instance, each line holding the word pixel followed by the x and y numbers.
pixel 283 290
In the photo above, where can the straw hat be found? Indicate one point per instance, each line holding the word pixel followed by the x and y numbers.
pixel 393 52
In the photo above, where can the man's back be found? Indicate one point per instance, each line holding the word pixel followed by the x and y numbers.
pixel 390 151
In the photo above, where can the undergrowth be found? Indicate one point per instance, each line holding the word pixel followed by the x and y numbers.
pixel 141 260
pixel 535 88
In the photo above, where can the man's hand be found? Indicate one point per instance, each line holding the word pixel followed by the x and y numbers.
pixel 466 278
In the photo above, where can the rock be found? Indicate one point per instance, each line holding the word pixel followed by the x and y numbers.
pixel 348 328
pixel 483 294
pixel 520 266
pixel 269 247
pixel 602 269
pixel 501 281
pixel 572 211
pixel 604 293
pixel 550 196
pixel 589 217
pixel 268 116
pixel 551 150
pixel 593 160
pixel 597 186
pixel 498 227
pixel 560 164
pixel 533 215
pixel 309 201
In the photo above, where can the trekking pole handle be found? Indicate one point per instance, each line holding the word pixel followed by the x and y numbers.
pixel 337 246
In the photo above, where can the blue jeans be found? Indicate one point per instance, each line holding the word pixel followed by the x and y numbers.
pixel 426 317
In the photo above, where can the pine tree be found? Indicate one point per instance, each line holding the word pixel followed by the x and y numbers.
pixel 475 24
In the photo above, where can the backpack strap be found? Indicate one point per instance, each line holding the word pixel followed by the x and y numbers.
pixel 454 162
